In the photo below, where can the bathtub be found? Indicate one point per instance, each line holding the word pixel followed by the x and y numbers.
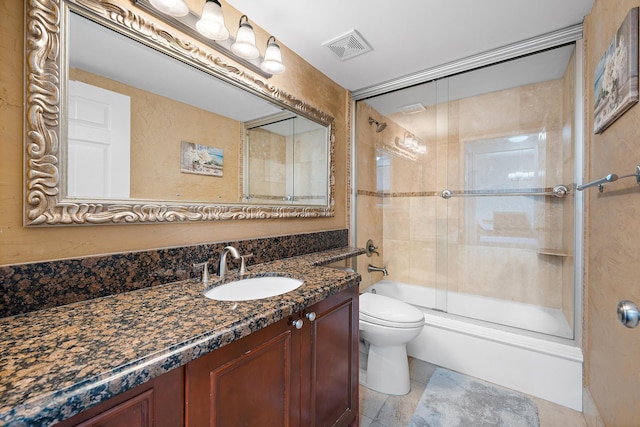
pixel 550 369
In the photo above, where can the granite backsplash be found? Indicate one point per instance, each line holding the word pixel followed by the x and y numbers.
pixel 41 285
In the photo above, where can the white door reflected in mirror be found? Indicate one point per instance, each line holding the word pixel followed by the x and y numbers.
pixel 98 143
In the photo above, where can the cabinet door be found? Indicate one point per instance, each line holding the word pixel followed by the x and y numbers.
pixel 159 402
pixel 330 348
pixel 251 382
pixel 135 412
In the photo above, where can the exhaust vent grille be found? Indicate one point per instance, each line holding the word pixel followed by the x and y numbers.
pixel 348 45
pixel 412 109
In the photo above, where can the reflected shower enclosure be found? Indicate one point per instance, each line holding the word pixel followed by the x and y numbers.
pixel 286 161
pixel 500 140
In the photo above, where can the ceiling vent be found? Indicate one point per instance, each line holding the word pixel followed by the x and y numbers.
pixel 412 109
pixel 348 45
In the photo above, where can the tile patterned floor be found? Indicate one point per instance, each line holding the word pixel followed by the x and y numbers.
pixel 381 410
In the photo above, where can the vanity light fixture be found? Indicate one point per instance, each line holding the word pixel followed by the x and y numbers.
pixel 272 62
pixel 211 23
pixel 412 143
pixel 245 44
pixel 210 29
pixel 171 7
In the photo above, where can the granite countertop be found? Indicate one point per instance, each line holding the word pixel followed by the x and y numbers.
pixel 58 362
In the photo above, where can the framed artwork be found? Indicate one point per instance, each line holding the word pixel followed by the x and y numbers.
pixel 200 159
pixel 616 75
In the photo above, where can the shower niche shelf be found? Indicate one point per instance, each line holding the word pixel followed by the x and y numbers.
pixel 553 252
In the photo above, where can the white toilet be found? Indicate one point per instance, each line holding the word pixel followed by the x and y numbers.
pixel 387 325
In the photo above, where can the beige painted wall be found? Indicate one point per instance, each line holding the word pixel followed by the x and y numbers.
pixel 612 239
pixel 21 245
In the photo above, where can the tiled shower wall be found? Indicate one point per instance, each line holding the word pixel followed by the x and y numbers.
pixel 36 286
pixel 424 237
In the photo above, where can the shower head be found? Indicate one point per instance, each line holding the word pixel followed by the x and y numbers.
pixel 379 126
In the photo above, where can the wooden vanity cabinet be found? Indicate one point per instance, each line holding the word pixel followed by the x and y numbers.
pixel 251 382
pixel 156 403
pixel 329 354
pixel 281 375
pixel 277 376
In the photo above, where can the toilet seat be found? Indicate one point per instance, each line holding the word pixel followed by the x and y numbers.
pixel 386 311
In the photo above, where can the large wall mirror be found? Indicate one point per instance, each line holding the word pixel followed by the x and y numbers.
pixel 129 120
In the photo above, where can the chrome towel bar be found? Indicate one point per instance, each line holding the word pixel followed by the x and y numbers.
pixel 609 178
pixel 559 191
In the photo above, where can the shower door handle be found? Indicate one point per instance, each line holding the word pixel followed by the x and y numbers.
pixel 628 313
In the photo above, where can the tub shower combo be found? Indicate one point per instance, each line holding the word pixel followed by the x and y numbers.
pixel 469 192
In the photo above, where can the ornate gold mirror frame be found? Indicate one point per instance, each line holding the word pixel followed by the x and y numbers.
pixel 45 90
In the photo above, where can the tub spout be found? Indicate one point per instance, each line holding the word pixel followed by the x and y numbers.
pixel 372 268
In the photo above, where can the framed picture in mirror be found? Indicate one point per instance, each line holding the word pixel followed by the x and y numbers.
pixel 200 159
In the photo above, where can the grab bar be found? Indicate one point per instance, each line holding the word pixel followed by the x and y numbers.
pixel 559 191
pixel 609 178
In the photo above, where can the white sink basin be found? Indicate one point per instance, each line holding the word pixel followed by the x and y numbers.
pixel 253 288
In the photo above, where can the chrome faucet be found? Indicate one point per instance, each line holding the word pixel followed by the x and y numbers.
pixel 222 270
pixel 372 268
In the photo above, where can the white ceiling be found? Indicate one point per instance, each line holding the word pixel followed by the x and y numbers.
pixel 407 36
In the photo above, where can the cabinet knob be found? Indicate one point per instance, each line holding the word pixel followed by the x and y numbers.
pixel 311 316
pixel 297 323
pixel 628 314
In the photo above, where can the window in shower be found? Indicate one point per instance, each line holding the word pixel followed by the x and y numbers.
pixel 498 166
pixel 383 169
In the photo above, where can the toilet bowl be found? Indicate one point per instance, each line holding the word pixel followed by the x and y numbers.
pixel 387 325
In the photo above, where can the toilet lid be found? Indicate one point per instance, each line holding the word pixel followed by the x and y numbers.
pixel 384 310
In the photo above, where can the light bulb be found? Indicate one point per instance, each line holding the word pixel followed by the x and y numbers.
pixel 272 63
pixel 245 44
pixel 211 23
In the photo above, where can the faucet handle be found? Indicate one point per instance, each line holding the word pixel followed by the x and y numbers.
pixel 205 271
pixel 243 264
pixel 371 248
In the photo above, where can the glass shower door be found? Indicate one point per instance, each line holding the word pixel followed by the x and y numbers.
pixel 509 232
pixel 397 205
pixel 500 139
